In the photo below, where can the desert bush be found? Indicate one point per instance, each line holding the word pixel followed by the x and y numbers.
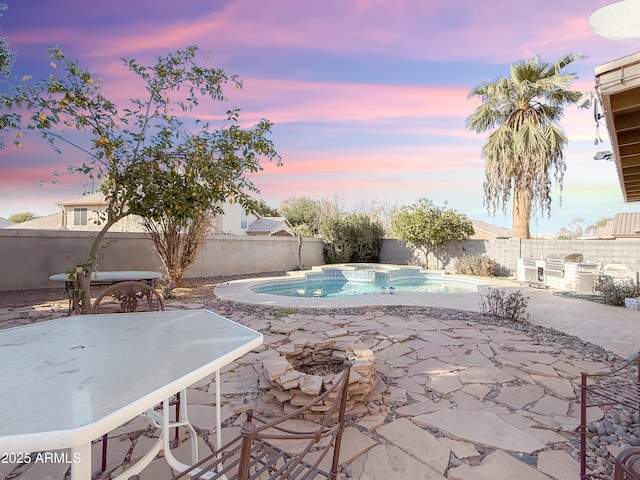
pixel 508 306
pixel 354 238
pixel 479 265
pixel 615 291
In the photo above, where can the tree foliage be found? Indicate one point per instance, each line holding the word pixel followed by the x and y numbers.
pixel 425 226
pixel 302 211
pixel 353 238
pixel 154 157
pixel 592 229
pixel 7 59
pixel 22 217
pixel 261 208
pixel 578 228
pixel 177 242
pixel 524 153
pixel 7 56
pixel 575 229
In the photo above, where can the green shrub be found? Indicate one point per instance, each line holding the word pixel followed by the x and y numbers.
pixel 354 238
pixel 615 291
pixel 479 265
pixel 508 306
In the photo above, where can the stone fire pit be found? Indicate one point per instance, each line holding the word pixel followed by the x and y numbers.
pixel 299 373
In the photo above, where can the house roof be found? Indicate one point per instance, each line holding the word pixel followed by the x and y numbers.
pixel 626 225
pixel 605 231
pixel 96 198
pixel 270 226
pixel 48 222
pixel 491 230
pixel 618 87
pixel 4 223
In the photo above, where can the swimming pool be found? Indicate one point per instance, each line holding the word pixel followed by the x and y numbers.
pixel 348 280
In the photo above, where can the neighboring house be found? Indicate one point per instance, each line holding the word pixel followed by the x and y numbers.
pixel 48 222
pixel 83 213
pixel 622 226
pixel 486 231
pixel 234 221
pixel 4 223
pixel 271 226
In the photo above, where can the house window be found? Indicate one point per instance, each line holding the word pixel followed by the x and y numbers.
pixel 79 216
pixel 243 219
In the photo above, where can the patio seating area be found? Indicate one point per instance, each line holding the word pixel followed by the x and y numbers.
pixel 464 397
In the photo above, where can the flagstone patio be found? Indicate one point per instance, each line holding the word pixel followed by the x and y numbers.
pixel 465 397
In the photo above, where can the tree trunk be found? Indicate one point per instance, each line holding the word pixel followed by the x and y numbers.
pixel 521 214
pixel 83 278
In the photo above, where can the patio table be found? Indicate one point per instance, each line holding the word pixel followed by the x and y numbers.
pixel 108 277
pixel 68 381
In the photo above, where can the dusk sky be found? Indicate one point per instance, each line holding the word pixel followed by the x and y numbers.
pixel 368 97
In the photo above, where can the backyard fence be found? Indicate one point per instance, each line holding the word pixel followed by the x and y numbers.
pixel 28 257
pixel 507 252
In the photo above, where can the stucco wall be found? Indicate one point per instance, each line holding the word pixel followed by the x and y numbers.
pixel 28 257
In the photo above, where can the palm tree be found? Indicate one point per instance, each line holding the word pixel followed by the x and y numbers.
pixel 526 146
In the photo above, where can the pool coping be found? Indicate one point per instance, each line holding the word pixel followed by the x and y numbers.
pixel 240 291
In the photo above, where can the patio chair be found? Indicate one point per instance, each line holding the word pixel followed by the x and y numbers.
pixel 628 464
pixel 273 450
pixel 126 297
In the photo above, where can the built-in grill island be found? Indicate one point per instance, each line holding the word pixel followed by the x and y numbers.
pixel 567 272
pixel 530 270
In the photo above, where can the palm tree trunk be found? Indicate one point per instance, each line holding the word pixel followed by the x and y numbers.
pixel 521 214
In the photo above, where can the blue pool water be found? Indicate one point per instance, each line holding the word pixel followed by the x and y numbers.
pixel 339 286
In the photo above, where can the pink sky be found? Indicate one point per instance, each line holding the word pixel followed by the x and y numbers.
pixel 368 97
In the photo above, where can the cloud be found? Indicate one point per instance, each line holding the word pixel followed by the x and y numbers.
pixel 368 97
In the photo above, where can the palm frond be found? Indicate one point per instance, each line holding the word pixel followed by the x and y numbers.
pixel 525 148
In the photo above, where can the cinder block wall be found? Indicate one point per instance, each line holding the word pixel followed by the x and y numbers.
pixel 507 251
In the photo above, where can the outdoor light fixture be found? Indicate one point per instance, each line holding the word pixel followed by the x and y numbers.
pixel 603 156
pixel 585 100
pixel 589 100
pixel 618 21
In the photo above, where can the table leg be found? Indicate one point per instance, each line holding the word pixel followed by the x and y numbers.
pixel 81 468
pixel 155 420
pixel 69 288
pixel 218 413
pixel 167 424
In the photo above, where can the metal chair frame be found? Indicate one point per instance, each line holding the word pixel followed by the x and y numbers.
pixel 255 453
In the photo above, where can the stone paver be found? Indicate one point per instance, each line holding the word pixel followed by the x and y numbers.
pixel 417 442
pixel 386 462
pixel 481 427
pixel 518 397
pixel 497 465
pixel 558 465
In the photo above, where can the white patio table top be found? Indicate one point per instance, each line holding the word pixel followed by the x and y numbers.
pixel 68 381
pixel 112 276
